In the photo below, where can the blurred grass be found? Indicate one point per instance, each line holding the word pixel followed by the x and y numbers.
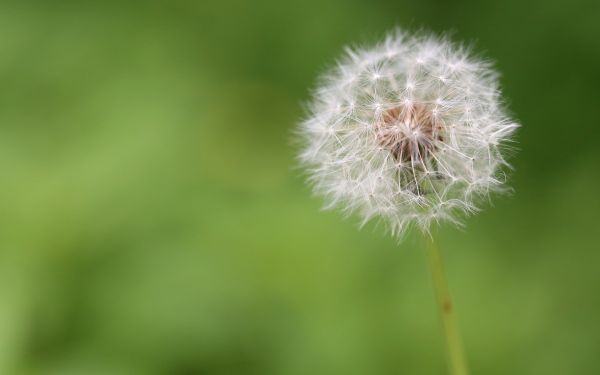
pixel 152 221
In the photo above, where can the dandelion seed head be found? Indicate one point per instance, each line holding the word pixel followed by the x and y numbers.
pixel 411 131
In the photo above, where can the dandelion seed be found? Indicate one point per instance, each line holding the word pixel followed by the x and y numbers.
pixel 419 133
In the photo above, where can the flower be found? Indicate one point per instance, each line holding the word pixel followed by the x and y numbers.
pixel 411 131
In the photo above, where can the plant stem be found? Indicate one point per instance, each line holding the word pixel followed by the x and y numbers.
pixel 456 357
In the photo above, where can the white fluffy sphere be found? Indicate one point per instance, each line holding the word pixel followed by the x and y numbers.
pixel 410 131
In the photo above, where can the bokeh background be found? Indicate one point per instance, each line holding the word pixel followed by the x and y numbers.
pixel 152 221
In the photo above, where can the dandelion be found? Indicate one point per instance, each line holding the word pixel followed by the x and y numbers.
pixel 411 132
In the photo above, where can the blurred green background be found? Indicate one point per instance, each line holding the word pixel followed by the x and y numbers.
pixel 152 221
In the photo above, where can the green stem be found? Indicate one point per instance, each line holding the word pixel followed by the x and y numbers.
pixel 456 357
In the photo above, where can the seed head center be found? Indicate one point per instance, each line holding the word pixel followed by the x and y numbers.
pixel 409 132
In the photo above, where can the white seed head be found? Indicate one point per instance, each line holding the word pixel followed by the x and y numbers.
pixel 410 131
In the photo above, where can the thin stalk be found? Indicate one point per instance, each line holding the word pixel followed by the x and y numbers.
pixel 456 357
